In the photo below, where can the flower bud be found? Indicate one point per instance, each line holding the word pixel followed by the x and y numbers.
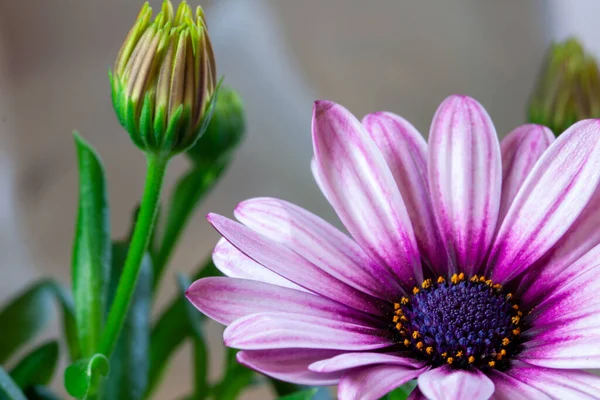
pixel 225 129
pixel 568 89
pixel 164 79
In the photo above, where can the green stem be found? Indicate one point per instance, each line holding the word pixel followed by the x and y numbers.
pixel 155 174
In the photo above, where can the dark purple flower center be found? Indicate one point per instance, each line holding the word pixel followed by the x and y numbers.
pixel 464 323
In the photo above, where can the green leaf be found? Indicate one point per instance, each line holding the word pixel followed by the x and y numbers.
pixel 129 363
pixel 303 395
pixel 170 330
pixel 194 319
pixel 83 377
pixel 403 391
pixel 37 367
pixel 9 389
pixel 38 392
pixel 188 192
pixel 26 315
pixel 235 380
pixel 91 249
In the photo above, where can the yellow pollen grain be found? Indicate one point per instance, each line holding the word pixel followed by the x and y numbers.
pixel 471 359
pixel 509 296
pixel 474 278
pixel 396 318
pixel 492 364
pixel 515 320
pixel 515 307
pixel 415 290
pixel 416 335
pixel 488 282
pixel 497 286
pixel 441 279
pixel 516 331
pixel 520 314
pixel 454 279
pixel 444 354
pixel 501 354
pixel 399 326
pixel 482 278
pixel 404 300
pixel 505 342
pixel 426 284
pixel 420 346
pixel 461 277
pixel 429 350
pixel 396 306
pixel 403 318
pixel 406 342
pixel 450 360
pixel 459 354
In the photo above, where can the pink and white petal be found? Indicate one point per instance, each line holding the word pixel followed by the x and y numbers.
pixel 285 262
pixel 227 299
pixel 465 180
pixel 318 242
pixel 520 151
pixel 445 383
pixel 557 384
pixel 509 388
pixel 371 383
pixel 290 365
pixel 235 264
pixel 277 330
pixel 565 328
pixel 552 197
pixel 360 187
pixel 543 280
pixel 354 360
pixel 405 152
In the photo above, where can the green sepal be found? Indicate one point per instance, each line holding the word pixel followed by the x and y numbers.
pixel 9 390
pixel 91 249
pixel 37 367
pixel 200 377
pixel 129 362
pixel 26 315
pixel 307 394
pixel 169 331
pixel 171 135
pixel 208 114
pixel 160 122
pixel 83 377
pixel 145 131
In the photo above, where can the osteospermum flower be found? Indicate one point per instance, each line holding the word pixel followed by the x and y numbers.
pixel 473 265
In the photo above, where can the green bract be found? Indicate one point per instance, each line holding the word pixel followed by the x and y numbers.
pixel 163 79
pixel 568 89
pixel 224 131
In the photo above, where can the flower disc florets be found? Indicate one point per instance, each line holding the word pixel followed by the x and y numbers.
pixel 460 322
pixel 163 79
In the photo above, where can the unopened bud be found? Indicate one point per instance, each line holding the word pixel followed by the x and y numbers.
pixel 568 90
pixel 225 129
pixel 164 78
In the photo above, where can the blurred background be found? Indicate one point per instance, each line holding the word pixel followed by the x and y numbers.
pixel 400 56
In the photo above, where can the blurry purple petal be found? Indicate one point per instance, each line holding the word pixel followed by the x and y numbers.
pixel 371 383
pixel 353 360
pixel 276 330
pixel 227 299
pixel 520 151
pixel 361 188
pixel 552 197
pixel 465 178
pixel 235 264
pixel 319 242
pixel 292 266
pixel 445 383
pixel 290 365
pixel 557 383
pixel 405 152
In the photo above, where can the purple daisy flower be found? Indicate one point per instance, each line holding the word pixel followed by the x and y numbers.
pixel 473 265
